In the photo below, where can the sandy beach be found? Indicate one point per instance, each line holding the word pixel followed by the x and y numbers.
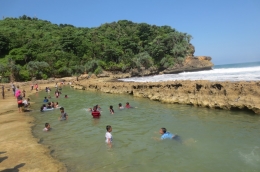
pixel 19 150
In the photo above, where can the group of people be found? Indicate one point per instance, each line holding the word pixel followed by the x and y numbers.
pixel 52 105
pixel 96 113
pixel 35 86
pixel 22 102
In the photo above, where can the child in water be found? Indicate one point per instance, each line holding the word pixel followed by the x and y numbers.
pixel 45 100
pixel 111 110
pixel 43 107
pixel 66 96
pixel 127 105
pixel 167 135
pixel 95 113
pixel 120 106
pixel 49 106
pixel 64 115
pixel 108 136
pixel 47 127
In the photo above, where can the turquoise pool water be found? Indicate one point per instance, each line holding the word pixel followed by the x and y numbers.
pixel 212 140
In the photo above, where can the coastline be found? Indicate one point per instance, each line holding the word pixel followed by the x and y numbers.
pixel 20 150
pixel 228 95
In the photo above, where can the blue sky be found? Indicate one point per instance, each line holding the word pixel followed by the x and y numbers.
pixel 226 30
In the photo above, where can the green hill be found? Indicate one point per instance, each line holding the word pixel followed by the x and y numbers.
pixel 30 47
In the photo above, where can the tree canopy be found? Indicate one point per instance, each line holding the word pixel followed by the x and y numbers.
pixel 41 49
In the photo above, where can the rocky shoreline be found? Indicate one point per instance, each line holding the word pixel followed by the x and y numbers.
pixel 219 95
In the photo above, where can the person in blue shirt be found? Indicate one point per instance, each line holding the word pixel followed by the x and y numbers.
pixel 45 100
pixel 167 135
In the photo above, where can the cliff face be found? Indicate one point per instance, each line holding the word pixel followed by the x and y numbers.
pixel 223 95
pixel 191 64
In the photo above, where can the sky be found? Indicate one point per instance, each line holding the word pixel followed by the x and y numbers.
pixel 226 30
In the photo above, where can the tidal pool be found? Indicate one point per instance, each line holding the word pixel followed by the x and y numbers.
pixel 212 140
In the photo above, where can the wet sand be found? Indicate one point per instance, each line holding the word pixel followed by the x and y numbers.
pixel 19 150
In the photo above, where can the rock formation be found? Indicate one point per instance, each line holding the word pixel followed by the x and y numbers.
pixel 223 95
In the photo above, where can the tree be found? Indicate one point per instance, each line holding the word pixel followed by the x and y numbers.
pixel 35 67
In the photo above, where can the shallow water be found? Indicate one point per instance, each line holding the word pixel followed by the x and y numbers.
pixel 212 140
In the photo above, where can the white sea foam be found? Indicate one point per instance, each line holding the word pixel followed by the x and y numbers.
pixel 218 74
pixel 251 158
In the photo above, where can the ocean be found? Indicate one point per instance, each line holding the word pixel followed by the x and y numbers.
pixel 228 72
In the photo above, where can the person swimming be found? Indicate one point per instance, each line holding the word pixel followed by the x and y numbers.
pixel 95 113
pixel 64 115
pixel 127 105
pixel 45 100
pixel 111 110
pixel 43 107
pixel 167 135
pixel 47 127
pixel 120 106
pixel 49 106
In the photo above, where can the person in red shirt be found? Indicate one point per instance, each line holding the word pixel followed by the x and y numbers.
pixel 127 105
pixel 95 113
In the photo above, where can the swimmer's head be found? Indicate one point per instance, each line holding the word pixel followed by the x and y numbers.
pixel 109 128
pixel 127 103
pixel 119 104
pixel 62 109
pixel 47 125
pixel 163 130
pixel 111 107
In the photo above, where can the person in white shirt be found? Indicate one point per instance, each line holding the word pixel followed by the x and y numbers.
pixel 26 102
pixel 108 136
pixel 47 127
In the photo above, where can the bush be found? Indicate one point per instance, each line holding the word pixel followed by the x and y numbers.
pixel 98 70
pixel 24 75
pixel 44 76
pixel 5 80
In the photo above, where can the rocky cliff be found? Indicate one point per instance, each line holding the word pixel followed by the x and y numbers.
pixel 223 95
pixel 189 64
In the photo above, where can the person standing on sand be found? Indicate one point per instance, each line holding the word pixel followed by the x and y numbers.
pixel 3 92
pixel 17 92
pixel 36 87
pixel 13 88
pixel 20 103
pixel 24 93
pixel 32 87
